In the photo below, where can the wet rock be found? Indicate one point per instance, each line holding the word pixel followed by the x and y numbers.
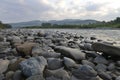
pixel 69 63
pixel 9 75
pixel 84 72
pixel 101 67
pixel 15 65
pixel 106 49
pixel 86 62
pixel 25 49
pixel 36 77
pixel 100 60
pixel 4 65
pixel 59 73
pixel 104 76
pixel 54 63
pixel 70 52
pixel 33 66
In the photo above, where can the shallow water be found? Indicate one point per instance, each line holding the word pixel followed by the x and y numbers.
pixel 99 33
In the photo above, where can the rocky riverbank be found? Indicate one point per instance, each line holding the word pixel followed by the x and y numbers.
pixel 28 55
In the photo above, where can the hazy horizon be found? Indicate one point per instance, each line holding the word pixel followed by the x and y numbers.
pixel 12 11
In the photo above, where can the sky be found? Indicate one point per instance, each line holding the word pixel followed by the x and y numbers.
pixel 26 10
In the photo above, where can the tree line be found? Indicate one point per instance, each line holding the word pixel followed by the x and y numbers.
pixel 110 24
pixel 4 26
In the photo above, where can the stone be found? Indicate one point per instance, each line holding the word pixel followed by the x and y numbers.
pixel 86 62
pixel 2 76
pixel 53 78
pixel 69 63
pixel 118 78
pixel 59 73
pixel 70 52
pixel 18 75
pixel 74 78
pixel 9 75
pixel 100 60
pixel 106 49
pixel 36 77
pixel 54 63
pixel 111 66
pixel 118 63
pixel 84 72
pixel 101 67
pixel 25 48
pixel 104 75
pixel 4 65
pixel 15 65
pixel 1 38
pixel 33 66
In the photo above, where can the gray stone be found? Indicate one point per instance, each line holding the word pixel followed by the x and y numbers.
pixel 9 75
pixel 100 60
pixel 2 77
pixel 106 49
pixel 4 65
pixel 118 63
pixel 104 75
pixel 101 67
pixel 1 38
pixel 17 75
pixel 36 77
pixel 59 73
pixel 118 78
pixel 84 72
pixel 86 62
pixel 33 66
pixel 52 78
pixel 69 63
pixel 111 66
pixel 70 52
pixel 54 63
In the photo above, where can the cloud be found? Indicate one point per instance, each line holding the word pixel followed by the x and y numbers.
pixel 26 10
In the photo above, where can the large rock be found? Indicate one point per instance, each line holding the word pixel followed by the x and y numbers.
pixel 70 52
pixel 4 65
pixel 106 48
pixel 54 63
pixel 25 48
pixel 33 66
pixel 84 72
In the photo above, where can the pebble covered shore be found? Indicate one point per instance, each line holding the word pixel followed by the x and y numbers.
pixel 40 55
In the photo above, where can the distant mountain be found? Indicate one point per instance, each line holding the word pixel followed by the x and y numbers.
pixel 59 22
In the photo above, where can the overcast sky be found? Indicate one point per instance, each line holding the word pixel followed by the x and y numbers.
pixel 27 10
